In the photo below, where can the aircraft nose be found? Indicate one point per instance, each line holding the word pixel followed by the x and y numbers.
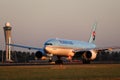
pixel 47 49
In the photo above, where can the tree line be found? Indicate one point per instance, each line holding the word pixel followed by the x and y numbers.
pixel 109 56
pixel 18 56
pixel 24 57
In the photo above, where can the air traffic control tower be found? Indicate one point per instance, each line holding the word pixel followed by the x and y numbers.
pixel 7 33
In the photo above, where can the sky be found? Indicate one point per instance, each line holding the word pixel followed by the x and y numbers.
pixel 35 21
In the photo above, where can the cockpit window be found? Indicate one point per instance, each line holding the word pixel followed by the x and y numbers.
pixel 48 43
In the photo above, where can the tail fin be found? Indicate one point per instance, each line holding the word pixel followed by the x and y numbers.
pixel 93 34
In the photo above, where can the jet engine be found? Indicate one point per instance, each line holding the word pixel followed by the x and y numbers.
pixel 39 54
pixel 90 55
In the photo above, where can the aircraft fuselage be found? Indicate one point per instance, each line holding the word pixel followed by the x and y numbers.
pixel 63 47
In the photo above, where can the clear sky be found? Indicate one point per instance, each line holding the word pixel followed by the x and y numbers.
pixel 35 21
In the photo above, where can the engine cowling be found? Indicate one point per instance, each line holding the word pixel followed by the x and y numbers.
pixel 39 54
pixel 90 55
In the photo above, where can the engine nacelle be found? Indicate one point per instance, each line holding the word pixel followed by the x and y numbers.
pixel 90 55
pixel 39 54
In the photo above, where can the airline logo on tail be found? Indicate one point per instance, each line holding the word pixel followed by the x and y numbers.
pixel 93 34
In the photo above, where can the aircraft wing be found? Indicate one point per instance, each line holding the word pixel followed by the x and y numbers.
pixel 107 48
pixel 27 47
pixel 97 49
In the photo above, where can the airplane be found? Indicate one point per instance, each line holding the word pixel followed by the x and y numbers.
pixel 69 48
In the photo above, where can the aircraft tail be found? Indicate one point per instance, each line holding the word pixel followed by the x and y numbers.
pixel 93 34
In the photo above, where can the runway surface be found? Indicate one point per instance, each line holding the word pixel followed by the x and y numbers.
pixel 33 64
pixel 46 64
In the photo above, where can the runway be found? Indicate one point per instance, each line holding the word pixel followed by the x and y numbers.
pixel 34 64
pixel 46 64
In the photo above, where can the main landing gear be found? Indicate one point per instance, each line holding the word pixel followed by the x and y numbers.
pixel 59 61
pixel 85 61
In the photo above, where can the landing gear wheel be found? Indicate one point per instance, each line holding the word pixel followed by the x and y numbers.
pixel 86 61
pixel 58 62
pixel 50 60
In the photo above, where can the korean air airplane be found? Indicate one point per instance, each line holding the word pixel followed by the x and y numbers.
pixel 69 48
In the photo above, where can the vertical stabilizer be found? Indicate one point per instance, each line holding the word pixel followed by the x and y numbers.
pixel 93 34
